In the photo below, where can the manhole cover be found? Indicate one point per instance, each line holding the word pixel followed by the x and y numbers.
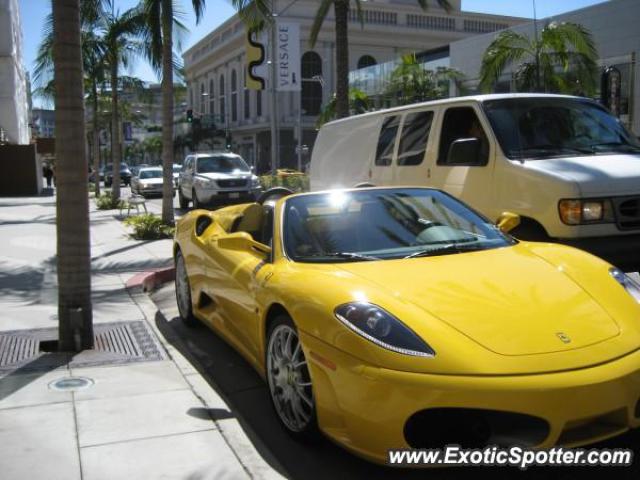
pixel 71 383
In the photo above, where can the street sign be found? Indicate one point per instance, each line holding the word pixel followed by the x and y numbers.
pixel 288 57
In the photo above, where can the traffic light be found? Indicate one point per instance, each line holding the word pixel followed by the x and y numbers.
pixel 190 116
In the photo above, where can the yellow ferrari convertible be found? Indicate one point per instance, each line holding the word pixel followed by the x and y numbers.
pixel 392 318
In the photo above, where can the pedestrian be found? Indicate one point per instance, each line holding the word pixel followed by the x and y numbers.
pixel 48 174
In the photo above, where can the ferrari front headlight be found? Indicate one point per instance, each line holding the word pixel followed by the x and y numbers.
pixel 382 328
pixel 629 284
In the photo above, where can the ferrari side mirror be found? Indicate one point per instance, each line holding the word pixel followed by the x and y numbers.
pixel 508 221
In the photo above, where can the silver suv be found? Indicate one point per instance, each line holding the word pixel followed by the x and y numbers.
pixel 216 178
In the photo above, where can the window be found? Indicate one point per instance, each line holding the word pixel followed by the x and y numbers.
pixel 259 103
pixel 247 103
pixel 462 122
pixel 387 141
pixel 202 105
pixel 366 61
pixel 234 96
pixel 222 109
pixel 311 70
pixel 212 98
pixel 414 137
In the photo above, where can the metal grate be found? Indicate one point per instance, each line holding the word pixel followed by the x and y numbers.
pixel 115 343
pixel 628 210
pixel 16 348
pixel 232 183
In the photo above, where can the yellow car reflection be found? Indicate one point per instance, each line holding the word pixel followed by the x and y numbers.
pixel 399 318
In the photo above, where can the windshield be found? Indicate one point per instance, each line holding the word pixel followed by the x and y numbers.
pixel 383 224
pixel 535 128
pixel 221 164
pixel 150 174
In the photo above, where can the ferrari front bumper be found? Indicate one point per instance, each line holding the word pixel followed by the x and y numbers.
pixel 367 409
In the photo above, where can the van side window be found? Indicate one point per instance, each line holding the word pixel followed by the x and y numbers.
pixel 414 137
pixel 462 122
pixel 386 140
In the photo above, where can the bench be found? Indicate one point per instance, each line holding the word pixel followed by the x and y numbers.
pixel 133 201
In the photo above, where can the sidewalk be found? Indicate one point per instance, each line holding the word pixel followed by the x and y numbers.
pixel 146 412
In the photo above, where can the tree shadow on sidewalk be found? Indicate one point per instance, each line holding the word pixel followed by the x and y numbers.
pixel 31 371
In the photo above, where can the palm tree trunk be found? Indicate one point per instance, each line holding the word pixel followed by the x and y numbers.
pixel 341 8
pixel 167 112
pixel 72 203
pixel 115 130
pixel 96 137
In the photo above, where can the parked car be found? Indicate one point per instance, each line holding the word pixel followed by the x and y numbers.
pixel 564 164
pixel 125 174
pixel 216 178
pixel 149 181
pixel 394 318
pixel 177 168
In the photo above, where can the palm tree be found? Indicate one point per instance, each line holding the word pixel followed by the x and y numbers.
pixel 410 82
pixel 257 12
pixel 160 24
pixel 359 102
pixel 92 60
pixel 72 204
pixel 120 32
pixel 561 59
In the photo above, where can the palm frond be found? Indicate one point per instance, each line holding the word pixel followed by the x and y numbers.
pixel 321 15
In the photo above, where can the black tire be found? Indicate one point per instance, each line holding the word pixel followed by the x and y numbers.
pixel 185 309
pixel 184 202
pixel 194 199
pixel 308 430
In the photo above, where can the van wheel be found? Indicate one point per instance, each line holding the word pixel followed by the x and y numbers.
pixel 530 230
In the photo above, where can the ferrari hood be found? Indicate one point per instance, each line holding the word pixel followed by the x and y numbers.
pixel 508 300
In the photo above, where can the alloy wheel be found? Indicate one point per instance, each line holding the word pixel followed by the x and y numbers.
pixel 289 380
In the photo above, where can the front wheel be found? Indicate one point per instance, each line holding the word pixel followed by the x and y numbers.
pixel 184 201
pixel 194 199
pixel 183 292
pixel 289 380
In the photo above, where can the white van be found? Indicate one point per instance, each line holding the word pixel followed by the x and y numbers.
pixel 564 164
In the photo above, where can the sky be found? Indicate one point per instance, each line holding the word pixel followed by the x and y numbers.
pixel 33 13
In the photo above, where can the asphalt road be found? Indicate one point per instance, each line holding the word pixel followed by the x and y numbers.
pixel 248 399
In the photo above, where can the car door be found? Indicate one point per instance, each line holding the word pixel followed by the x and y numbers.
pixel 235 278
pixel 472 179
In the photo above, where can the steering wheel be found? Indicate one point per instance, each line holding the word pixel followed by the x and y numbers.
pixel 273 195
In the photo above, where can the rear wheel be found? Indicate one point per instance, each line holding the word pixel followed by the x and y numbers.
pixel 289 380
pixel 183 292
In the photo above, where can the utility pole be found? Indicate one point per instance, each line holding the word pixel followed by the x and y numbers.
pixel 274 103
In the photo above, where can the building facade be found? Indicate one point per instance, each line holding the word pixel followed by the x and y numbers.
pixel 614 26
pixel 43 123
pixel 215 69
pixel 14 111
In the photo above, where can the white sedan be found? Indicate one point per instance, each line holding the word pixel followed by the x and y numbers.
pixel 147 182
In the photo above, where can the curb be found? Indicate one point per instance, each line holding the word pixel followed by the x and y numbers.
pixel 151 279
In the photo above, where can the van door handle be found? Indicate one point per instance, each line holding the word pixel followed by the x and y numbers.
pixel 428 173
